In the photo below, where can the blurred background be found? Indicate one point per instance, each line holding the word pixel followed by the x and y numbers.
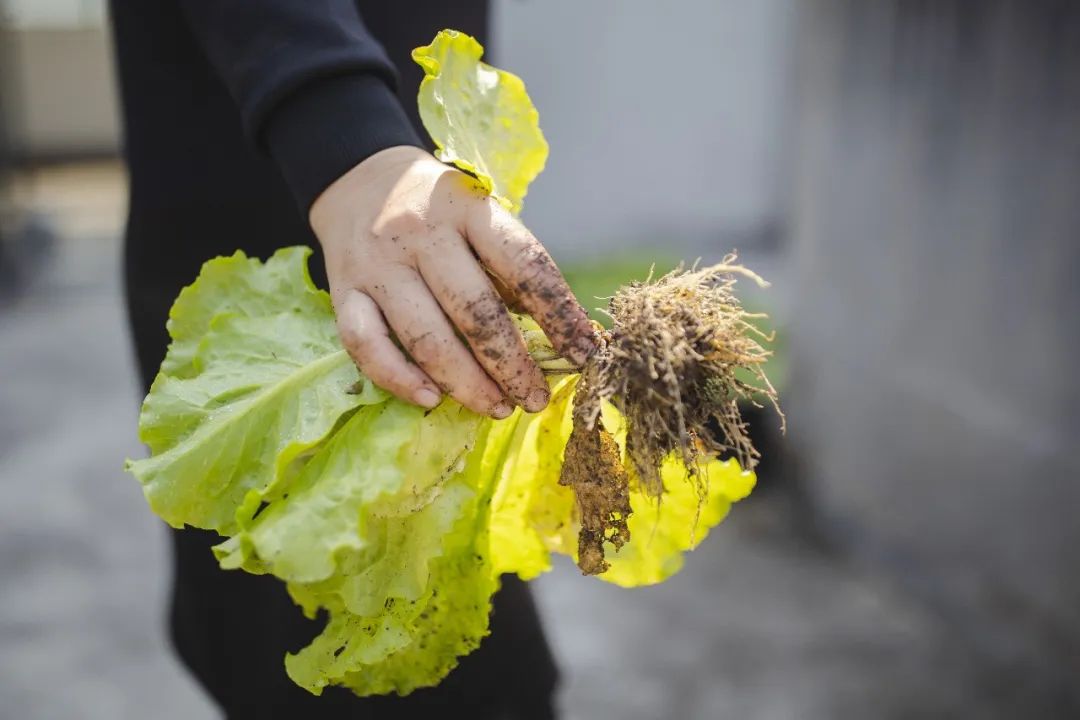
pixel 907 174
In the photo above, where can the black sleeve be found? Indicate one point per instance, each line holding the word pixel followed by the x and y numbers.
pixel 312 85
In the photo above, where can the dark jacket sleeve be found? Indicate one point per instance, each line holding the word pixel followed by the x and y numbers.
pixel 312 85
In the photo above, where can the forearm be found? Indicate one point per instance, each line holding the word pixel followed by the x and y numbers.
pixel 313 88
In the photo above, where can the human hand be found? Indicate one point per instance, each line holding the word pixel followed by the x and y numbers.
pixel 409 243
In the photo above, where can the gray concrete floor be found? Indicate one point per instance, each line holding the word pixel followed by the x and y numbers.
pixel 760 625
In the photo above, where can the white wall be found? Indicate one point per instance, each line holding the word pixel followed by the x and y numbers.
pixel 664 119
pixel 60 92
pixel 53 14
pixel 56 76
pixel 935 344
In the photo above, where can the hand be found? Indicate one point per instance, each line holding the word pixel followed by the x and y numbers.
pixel 409 243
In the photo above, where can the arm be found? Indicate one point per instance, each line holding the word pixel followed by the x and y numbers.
pixel 312 86
pixel 408 240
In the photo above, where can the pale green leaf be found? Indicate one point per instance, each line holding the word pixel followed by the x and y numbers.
pixel 255 377
pixel 387 460
pixel 410 639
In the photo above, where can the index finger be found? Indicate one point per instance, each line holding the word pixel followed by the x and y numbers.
pixel 522 263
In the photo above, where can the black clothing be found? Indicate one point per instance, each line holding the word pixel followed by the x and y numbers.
pixel 238 113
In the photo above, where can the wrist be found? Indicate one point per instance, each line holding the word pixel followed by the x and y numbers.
pixel 374 175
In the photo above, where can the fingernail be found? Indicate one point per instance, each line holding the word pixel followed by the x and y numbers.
pixel 537 400
pixel 502 410
pixel 427 397
pixel 582 350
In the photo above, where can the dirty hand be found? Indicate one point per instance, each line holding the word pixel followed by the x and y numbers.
pixel 409 243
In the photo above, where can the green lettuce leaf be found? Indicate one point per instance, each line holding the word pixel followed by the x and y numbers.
pixel 413 639
pixel 255 377
pixel 480 117
pixel 421 571
pixel 456 616
pixel 388 459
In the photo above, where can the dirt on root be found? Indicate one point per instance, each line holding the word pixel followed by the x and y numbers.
pixel 594 469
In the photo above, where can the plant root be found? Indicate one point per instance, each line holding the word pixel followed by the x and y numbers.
pixel 681 355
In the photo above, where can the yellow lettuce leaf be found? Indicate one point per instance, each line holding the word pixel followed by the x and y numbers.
pixel 480 118
pixel 532 515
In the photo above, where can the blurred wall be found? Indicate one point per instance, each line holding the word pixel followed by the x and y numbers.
pixel 57 77
pixel 937 316
pixel 664 119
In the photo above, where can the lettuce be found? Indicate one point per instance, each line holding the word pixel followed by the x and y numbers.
pixel 394 521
